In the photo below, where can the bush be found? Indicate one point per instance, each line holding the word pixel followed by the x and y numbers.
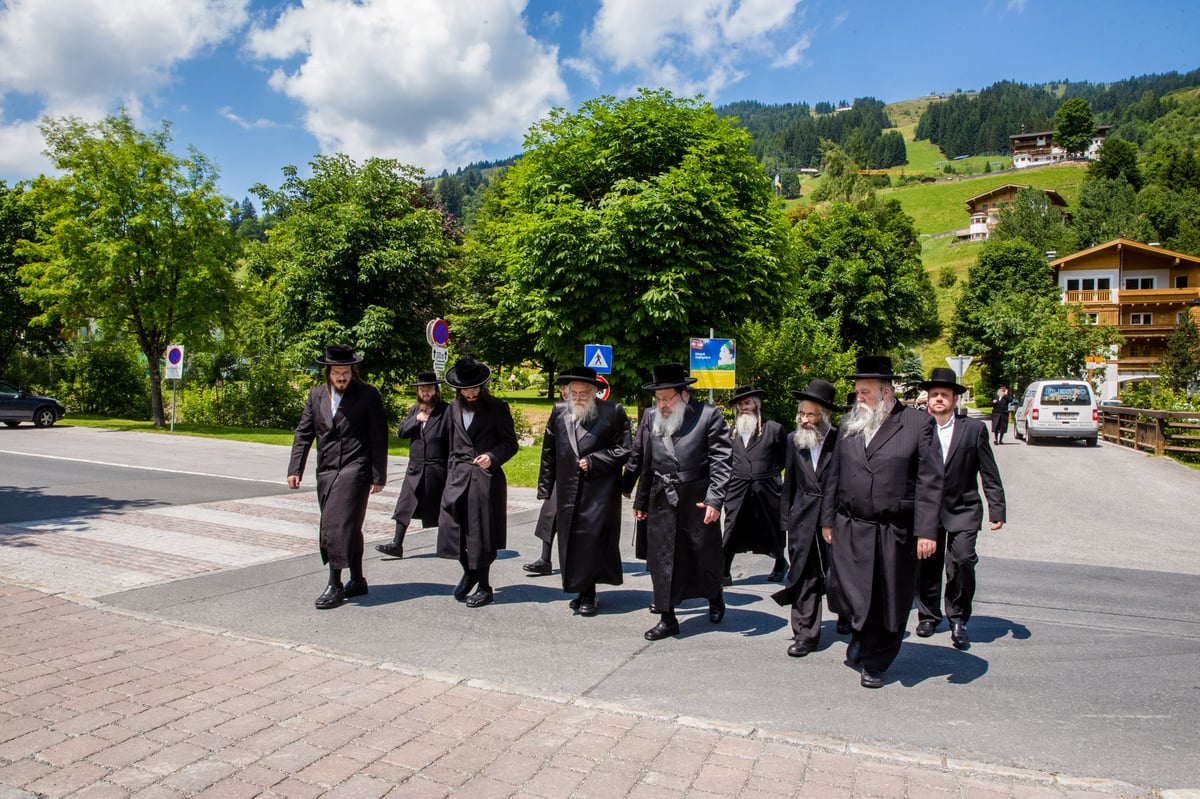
pixel 106 378
pixel 947 277
pixel 267 397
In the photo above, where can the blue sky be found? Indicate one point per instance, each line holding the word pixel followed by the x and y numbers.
pixel 257 85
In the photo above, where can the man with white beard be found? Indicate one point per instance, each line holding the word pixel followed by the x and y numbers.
pixel 685 470
pixel 585 446
pixel 752 502
pixel 879 515
pixel 809 453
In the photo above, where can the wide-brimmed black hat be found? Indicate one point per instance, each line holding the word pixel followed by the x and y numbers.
pixel 579 374
pixel 872 367
pixel 426 379
pixel 339 355
pixel 943 378
pixel 820 392
pixel 468 373
pixel 742 392
pixel 669 375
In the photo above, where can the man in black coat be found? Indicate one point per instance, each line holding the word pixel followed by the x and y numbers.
pixel 473 524
pixel 685 471
pixel 427 426
pixel 879 515
pixel 1001 401
pixel 752 501
pixel 346 417
pixel 586 443
pixel 967 457
pixel 547 523
pixel 809 453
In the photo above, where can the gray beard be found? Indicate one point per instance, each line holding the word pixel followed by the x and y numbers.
pixel 810 437
pixel 747 424
pixel 864 421
pixel 667 426
pixel 585 415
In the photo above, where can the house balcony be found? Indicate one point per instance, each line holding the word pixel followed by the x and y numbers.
pixel 1159 331
pixel 1139 364
pixel 1131 296
pixel 1106 296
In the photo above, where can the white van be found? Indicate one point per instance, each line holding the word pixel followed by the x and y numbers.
pixel 1057 409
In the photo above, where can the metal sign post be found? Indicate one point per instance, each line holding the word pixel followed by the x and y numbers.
pixel 174 373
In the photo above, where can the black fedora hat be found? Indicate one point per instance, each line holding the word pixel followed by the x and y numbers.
pixel 427 379
pixel 820 392
pixel 578 374
pixel 943 378
pixel 743 392
pixel 872 367
pixel 339 355
pixel 669 375
pixel 468 372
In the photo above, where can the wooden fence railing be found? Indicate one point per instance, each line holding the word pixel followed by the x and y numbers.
pixel 1175 433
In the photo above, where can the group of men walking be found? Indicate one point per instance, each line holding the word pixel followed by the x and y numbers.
pixel 868 514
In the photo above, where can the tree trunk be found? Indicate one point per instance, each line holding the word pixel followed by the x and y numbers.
pixel 156 400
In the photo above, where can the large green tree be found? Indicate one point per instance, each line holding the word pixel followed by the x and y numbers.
pixel 356 256
pixel 1074 126
pixel 1108 209
pixel 1181 364
pixel 1032 218
pixel 132 235
pixel 638 223
pixel 16 313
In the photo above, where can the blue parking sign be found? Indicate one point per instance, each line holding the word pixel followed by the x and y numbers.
pixel 598 357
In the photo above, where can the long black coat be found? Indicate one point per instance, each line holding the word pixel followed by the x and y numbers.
pixel 588 504
pixel 425 479
pixel 800 512
pixel 631 475
pixel 969 459
pixel 473 525
pixel 351 457
pixel 879 499
pixel 684 555
pixel 752 502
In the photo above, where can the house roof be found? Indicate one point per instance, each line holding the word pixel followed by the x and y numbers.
pixel 1053 196
pixel 1117 244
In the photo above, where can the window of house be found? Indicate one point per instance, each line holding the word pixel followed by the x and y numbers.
pixel 1089 284
pixel 1073 284
pixel 1141 319
pixel 1181 281
pixel 1103 283
pixel 1136 283
pixel 1089 318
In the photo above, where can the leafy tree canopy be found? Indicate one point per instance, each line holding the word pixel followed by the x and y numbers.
pixel 1032 218
pixel 1074 125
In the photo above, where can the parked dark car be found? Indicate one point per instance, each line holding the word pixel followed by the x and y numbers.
pixel 18 405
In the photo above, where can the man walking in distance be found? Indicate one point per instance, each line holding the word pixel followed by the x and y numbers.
pixel 752 501
pixel 1001 401
pixel 547 522
pixel 584 447
pixel 427 426
pixel 685 472
pixel 967 457
pixel 473 525
pixel 880 515
pixel 346 417
pixel 809 453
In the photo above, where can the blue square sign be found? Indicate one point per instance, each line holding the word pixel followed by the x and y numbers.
pixel 598 357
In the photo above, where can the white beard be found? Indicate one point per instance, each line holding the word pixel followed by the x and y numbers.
pixel 810 437
pixel 747 424
pixel 585 415
pixel 864 421
pixel 667 426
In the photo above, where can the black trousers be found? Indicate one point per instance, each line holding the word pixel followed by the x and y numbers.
pixel 806 609
pixel 956 556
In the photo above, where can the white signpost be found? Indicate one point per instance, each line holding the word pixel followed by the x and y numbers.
pixel 174 371
pixel 437 333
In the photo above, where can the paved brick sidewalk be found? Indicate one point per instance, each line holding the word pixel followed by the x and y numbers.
pixel 98 703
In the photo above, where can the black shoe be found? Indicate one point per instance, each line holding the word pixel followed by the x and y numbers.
pixel 662 630
pixel 483 596
pixel 925 628
pixel 540 567
pixel 843 627
pixel 653 608
pixel 716 610
pixel 587 606
pixel 392 550
pixel 799 649
pixel 574 603
pixel 776 576
pixel 871 679
pixel 356 588
pixel 463 589
pixel 726 581
pixel 854 651
pixel 331 597
pixel 958 635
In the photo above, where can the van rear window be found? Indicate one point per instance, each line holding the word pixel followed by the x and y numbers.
pixel 1070 394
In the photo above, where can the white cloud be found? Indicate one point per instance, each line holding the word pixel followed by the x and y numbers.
pixel 711 41
pixel 1017 5
pixel 84 57
pixel 228 113
pixel 794 54
pixel 426 81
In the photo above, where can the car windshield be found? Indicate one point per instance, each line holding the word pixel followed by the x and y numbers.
pixel 1069 394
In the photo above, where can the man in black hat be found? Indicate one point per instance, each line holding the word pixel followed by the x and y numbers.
pixel 880 515
pixel 473 524
pixel 427 426
pixel 346 417
pixel 685 468
pixel 1001 402
pixel 752 501
pixel 584 447
pixel 967 456
pixel 547 522
pixel 808 457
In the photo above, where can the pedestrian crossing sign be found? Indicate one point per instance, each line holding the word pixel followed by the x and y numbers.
pixel 598 357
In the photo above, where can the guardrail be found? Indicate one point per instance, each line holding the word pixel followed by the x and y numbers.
pixel 1175 433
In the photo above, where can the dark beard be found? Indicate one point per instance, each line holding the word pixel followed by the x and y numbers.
pixel 475 405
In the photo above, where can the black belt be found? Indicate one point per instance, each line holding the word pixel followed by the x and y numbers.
pixel 669 481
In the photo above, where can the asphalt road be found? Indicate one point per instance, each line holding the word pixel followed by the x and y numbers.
pixel 1086 633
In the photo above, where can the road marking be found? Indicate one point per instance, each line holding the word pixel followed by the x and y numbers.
pixel 142 468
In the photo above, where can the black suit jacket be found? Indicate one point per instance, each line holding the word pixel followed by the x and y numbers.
pixel 970 458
